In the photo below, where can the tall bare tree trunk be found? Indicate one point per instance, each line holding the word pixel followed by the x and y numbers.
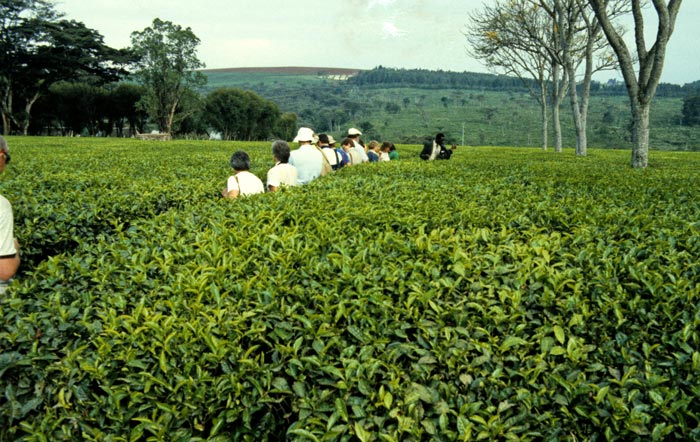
pixel 5 124
pixel 640 89
pixel 28 112
pixel 640 134
pixel 6 108
pixel 543 109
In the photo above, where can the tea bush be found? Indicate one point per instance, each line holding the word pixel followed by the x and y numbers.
pixel 506 294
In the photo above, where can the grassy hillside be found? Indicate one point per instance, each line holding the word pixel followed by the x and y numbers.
pixel 497 118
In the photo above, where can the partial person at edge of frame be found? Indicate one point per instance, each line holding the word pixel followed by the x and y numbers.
pixel 9 246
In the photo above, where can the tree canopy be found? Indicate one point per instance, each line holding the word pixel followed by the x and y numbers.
pixel 167 65
pixel 38 49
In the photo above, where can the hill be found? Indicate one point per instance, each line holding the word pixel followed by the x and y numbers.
pixel 408 106
pixel 285 70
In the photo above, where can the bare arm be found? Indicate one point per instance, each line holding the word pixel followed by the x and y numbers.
pixel 9 264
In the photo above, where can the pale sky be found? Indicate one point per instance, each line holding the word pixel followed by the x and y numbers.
pixel 358 34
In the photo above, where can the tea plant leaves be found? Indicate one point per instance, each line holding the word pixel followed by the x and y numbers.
pixel 527 296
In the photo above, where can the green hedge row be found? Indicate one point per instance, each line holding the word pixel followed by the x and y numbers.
pixel 504 295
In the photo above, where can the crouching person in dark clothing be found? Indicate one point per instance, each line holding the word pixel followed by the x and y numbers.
pixel 436 150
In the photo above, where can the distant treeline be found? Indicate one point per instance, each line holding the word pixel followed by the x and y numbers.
pixel 428 79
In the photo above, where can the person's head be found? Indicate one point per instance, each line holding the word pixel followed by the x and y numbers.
pixel 305 135
pixel 280 150
pixel 385 147
pixel 331 141
pixel 240 161
pixel 440 138
pixel 347 144
pixel 4 153
pixel 392 147
pixel 373 145
pixel 323 140
pixel 354 133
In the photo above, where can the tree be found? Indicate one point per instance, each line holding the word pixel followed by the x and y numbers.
pixel 286 126
pixel 580 38
pixel 166 66
pixel 649 64
pixel 691 110
pixel 392 108
pixel 123 107
pixel 77 106
pixel 38 50
pixel 240 114
pixel 513 36
pixel 18 33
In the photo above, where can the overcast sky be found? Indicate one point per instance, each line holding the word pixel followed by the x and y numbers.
pixel 336 33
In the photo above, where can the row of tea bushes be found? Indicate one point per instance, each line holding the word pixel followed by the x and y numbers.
pixel 503 295
pixel 65 191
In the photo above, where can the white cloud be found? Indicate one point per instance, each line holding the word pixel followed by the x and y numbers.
pixel 389 30
pixel 384 3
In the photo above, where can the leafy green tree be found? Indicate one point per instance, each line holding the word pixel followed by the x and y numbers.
pixel 38 49
pixel 123 108
pixel 166 66
pixel 691 110
pixel 392 108
pixel 78 106
pixel 19 20
pixel 286 126
pixel 240 114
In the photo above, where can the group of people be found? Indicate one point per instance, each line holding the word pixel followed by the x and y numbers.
pixel 316 156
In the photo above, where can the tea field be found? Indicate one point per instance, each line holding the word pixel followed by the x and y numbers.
pixel 507 294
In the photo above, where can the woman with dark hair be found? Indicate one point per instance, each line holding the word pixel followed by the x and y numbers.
pixel 393 153
pixel 242 183
pixel 282 174
pixel 384 151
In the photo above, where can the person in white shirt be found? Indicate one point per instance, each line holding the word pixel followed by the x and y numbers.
pixel 354 135
pixel 282 174
pixel 384 150
pixel 242 183
pixel 348 145
pixel 307 158
pixel 9 246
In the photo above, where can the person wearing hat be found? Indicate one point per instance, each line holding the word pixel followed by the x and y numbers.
pixel 333 157
pixel 9 246
pixel 354 135
pixel 307 158
pixel 344 157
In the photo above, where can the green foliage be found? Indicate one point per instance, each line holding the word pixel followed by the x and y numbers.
pixel 691 110
pixel 37 50
pixel 167 66
pixel 241 115
pixel 528 296
pixel 486 115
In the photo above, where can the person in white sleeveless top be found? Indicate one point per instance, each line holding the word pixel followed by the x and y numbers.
pixel 242 183
pixel 9 246
pixel 282 174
